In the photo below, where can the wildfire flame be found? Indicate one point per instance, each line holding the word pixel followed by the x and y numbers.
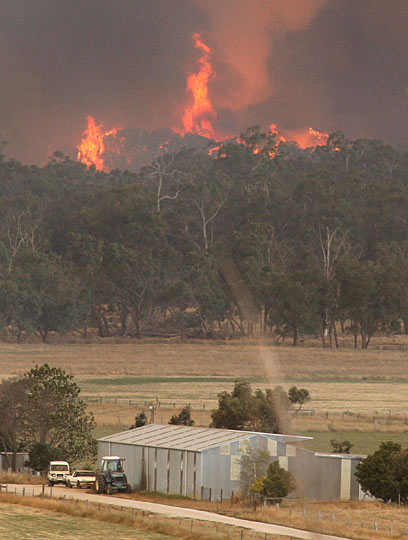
pixel 197 117
pixel 92 146
pixel 307 138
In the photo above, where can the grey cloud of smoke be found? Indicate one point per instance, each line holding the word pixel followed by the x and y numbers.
pixel 246 35
pixel 330 64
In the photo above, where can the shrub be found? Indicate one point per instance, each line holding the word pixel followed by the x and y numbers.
pixel 183 418
pixel 341 447
pixel 41 454
pixel 384 474
pixel 277 483
pixel 140 420
pixel 254 464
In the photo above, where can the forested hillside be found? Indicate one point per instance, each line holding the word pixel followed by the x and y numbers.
pixel 258 236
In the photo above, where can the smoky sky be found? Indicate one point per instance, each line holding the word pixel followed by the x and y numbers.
pixel 329 64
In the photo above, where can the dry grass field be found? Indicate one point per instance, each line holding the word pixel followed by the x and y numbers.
pixel 20 522
pixel 351 390
pixel 385 361
pixel 359 520
pixel 65 519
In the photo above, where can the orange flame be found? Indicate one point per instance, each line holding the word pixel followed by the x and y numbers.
pixel 197 117
pixel 307 138
pixel 92 146
pixel 304 138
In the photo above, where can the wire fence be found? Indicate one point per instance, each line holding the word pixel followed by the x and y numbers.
pixel 295 508
pixel 375 417
pixel 198 528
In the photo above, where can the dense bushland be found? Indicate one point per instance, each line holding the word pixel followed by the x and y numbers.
pixel 262 236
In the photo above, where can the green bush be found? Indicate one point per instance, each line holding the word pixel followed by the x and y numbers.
pixel 41 454
pixel 277 483
pixel 140 420
pixel 384 474
pixel 183 418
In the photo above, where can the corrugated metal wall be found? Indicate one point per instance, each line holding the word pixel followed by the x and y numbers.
pixel 177 472
pixel 324 477
pixel 222 464
pixel 182 472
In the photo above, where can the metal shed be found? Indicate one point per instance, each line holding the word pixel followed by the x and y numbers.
pixel 191 461
pixel 326 476
pixel 22 457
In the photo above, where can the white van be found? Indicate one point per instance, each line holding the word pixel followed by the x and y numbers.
pixel 58 472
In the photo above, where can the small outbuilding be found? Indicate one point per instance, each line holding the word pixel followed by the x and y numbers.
pixel 206 462
pixel 21 459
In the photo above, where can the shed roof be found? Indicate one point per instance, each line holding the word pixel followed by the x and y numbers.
pixel 187 437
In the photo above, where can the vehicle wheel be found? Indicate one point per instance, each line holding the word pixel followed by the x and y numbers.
pixel 100 484
pixel 50 483
pixel 69 484
pixel 128 488
pixel 79 484
pixel 109 489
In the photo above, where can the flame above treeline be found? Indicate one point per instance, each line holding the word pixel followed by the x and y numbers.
pixel 92 147
pixel 198 117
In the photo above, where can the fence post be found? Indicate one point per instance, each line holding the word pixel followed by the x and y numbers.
pixel 209 498
pixel 232 498
pixel 221 495
pixel 202 492
pixel 42 491
pixel 23 491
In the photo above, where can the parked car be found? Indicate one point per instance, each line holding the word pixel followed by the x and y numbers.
pixel 58 472
pixel 81 479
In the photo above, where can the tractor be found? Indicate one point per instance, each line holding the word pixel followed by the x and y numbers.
pixel 111 477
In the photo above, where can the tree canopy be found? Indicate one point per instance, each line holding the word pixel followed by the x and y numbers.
pixel 44 408
pixel 384 474
pixel 309 241
pixel 244 409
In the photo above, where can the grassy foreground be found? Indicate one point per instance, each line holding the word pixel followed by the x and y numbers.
pixel 34 518
pixel 19 522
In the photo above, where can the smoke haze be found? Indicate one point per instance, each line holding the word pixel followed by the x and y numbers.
pixel 329 64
